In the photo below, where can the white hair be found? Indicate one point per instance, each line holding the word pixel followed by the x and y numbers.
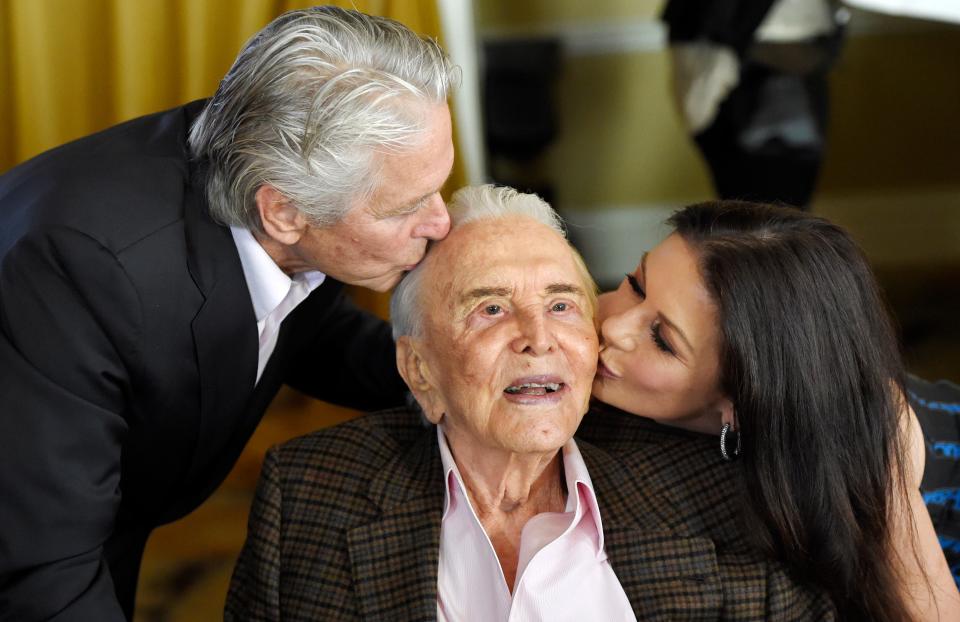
pixel 310 102
pixel 467 205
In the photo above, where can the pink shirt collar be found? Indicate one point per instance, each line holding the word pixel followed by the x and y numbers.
pixel 574 470
pixel 562 568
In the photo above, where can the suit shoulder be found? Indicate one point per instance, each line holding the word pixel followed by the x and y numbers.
pixel 702 492
pixel 665 453
pixel 361 445
pixel 326 479
pixel 117 185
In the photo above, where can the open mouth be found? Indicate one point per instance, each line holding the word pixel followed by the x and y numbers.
pixel 534 388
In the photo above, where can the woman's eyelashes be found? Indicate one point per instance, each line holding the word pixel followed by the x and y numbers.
pixel 658 340
pixel 655 330
pixel 635 285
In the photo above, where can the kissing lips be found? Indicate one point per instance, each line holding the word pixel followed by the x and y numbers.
pixel 604 372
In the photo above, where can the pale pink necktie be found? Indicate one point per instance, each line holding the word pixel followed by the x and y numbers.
pixel 271 327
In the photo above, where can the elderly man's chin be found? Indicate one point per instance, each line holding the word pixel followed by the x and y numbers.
pixel 539 427
pixel 543 439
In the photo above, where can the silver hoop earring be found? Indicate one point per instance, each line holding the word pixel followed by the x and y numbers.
pixel 729 457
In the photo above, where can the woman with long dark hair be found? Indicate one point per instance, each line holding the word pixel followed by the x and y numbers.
pixel 765 325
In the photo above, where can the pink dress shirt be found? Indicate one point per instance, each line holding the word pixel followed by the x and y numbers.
pixel 563 572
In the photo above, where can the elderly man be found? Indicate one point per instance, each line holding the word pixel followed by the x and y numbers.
pixel 493 512
pixel 149 279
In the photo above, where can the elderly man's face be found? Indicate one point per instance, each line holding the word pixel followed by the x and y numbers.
pixel 509 348
pixel 386 235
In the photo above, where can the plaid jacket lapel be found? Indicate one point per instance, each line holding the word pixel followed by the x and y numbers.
pixel 394 560
pixel 665 575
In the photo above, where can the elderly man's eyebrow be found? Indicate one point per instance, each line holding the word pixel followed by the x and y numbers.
pixel 488 292
pixel 565 288
pixel 412 204
pixel 484 292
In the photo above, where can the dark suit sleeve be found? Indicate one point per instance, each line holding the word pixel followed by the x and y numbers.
pixel 63 383
pixel 255 587
pixel 352 362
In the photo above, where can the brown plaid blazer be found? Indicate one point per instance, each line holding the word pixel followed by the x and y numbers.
pixel 346 526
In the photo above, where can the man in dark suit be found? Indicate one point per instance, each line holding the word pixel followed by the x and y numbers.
pixel 160 280
pixel 493 511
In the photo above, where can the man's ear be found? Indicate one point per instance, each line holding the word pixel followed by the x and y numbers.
pixel 280 219
pixel 415 372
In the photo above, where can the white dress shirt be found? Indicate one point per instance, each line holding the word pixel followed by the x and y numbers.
pixel 273 294
pixel 562 571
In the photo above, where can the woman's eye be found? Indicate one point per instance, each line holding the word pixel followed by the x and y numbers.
pixel 559 307
pixel 658 339
pixel 492 309
pixel 635 285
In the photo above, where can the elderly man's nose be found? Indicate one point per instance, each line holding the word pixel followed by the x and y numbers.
pixel 434 220
pixel 535 336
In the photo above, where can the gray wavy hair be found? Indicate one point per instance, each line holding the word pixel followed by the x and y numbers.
pixel 467 205
pixel 310 102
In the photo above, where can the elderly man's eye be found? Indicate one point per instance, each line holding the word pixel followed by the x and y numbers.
pixel 492 309
pixel 559 307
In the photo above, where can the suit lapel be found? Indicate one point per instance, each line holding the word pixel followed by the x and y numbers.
pixel 665 575
pixel 394 559
pixel 224 332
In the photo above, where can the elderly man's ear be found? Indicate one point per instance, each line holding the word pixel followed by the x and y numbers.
pixel 281 220
pixel 416 373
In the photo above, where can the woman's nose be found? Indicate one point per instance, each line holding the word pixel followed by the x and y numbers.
pixel 620 329
pixel 606 305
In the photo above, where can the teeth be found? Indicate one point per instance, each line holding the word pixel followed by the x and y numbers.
pixel 548 386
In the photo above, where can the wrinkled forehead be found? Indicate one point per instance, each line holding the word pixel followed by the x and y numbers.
pixel 507 252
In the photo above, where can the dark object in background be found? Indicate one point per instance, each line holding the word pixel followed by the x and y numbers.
pixel 519 110
pixel 766 141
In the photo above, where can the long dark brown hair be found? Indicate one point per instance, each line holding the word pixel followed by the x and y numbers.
pixel 810 360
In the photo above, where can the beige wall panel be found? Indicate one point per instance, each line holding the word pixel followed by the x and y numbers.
pixel 621 140
pixel 519 13
pixel 896 113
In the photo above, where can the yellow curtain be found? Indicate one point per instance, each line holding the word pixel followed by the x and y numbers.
pixel 72 67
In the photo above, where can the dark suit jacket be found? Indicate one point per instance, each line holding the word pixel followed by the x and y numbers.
pixel 128 353
pixel 346 526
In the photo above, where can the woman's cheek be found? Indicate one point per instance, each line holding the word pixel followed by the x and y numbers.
pixel 648 373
